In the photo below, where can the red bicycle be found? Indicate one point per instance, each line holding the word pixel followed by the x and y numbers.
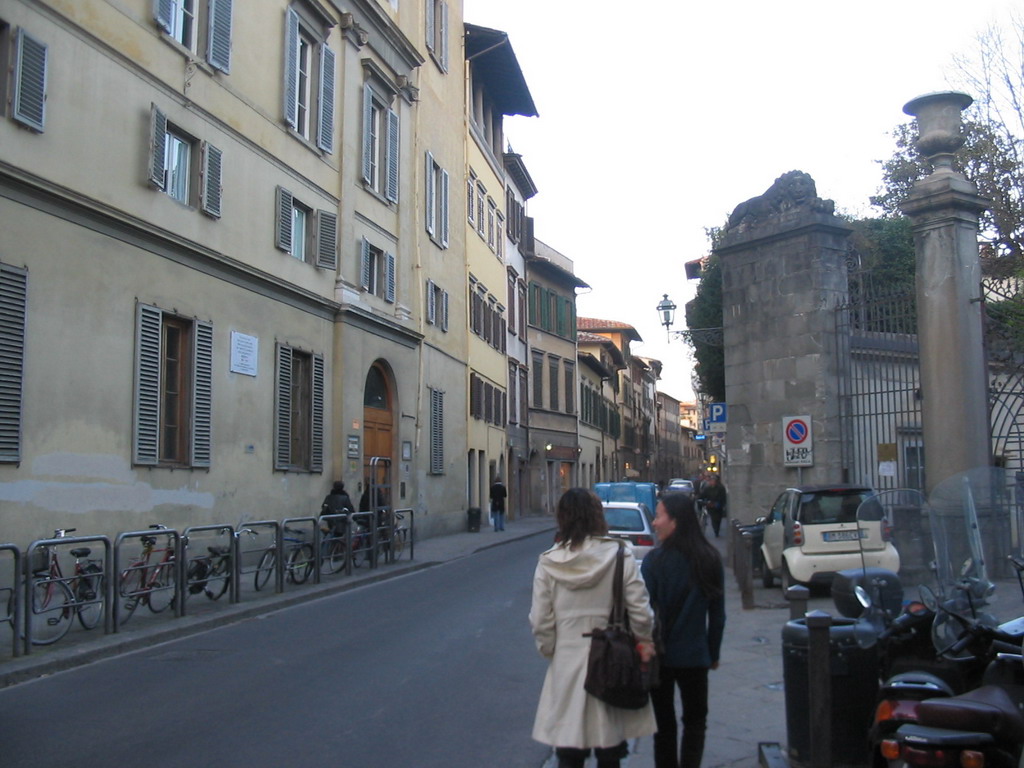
pixel 147 582
pixel 57 599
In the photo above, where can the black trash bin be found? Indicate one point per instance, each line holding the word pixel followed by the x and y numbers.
pixel 854 678
pixel 473 519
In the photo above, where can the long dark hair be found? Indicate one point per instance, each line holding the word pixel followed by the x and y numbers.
pixel 689 539
pixel 579 515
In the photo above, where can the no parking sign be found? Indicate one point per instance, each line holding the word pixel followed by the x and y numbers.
pixel 797 445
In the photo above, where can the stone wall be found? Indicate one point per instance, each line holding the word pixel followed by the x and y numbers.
pixel 783 259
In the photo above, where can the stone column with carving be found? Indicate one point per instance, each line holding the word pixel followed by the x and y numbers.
pixel 943 208
pixel 783 258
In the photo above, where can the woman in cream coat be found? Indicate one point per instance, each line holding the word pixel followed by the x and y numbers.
pixel 572 595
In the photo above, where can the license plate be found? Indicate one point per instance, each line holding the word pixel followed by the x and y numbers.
pixel 844 535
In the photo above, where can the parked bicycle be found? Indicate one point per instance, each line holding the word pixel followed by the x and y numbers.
pixel 57 599
pixel 146 582
pixel 211 573
pixel 298 560
pixel 393 543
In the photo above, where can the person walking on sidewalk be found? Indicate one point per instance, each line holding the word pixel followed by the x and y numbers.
pixel 572 595
pixel 686 582
pixel 498 495
pixel 713 495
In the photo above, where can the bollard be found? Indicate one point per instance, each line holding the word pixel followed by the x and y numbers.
pixel 819 677
pixel 797 597
pixel 745 573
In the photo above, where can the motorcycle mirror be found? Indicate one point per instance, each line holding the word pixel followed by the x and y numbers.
pixel 862 597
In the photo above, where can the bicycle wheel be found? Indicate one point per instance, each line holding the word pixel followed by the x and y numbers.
pixel 160 592
pixel 89 596
pixel 300 563
pixel 265 568
pixel 399 548
pixel 220 577
pixel 53 607
pixel 130 590
pixel 334 554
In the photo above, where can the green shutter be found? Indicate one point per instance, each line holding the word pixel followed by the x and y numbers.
pixel 283 408
pixel 218 51
pixel 202 395
pixel 13 316
pixel 148 354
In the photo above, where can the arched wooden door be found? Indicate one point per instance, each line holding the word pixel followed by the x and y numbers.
pixel 378 434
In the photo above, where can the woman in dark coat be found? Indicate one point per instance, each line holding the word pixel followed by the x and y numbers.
pixel 686 582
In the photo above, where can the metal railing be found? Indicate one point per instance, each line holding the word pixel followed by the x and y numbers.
pixel 378 535
pixel 37 572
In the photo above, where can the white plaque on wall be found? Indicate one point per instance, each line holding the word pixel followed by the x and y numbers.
pixel 244 353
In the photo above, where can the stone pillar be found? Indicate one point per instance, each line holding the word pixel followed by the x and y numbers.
pixel 943 208
pixel 783 259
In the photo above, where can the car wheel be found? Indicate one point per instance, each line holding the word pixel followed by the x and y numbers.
pixel 787 577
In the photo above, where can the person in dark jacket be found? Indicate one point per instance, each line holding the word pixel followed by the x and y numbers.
pixel 498 495
pixel 336 502
pixel 686 581
pixel 713 495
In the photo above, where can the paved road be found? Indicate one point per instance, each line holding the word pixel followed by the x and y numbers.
pixel 434 668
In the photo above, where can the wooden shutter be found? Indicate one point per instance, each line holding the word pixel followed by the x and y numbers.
pixel 316 453
pixel 431 303
pixel 443 212
pixel 29 81
pixel 202 395
pixel 436 432
pixel 365 266
pixel 218 51
pixel 283 228
pixel 444 36
pixel 13 306
pixel 325 123
pixel 163 12
pixel 291 68
pixel 431 21
pixel 212 184
pixel 431 211
pixel 444 311
pixel 392 162
pixel 389 278
pixel 157 147
pixel 367 135
pixel 327 240
pixel 283 409
pixel 148 354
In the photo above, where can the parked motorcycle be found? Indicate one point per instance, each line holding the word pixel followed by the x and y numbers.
pixel 960 705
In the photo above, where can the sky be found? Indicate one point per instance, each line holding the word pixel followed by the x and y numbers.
pixel 657 118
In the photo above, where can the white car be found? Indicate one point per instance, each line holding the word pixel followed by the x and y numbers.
pixel 812 532
pixel 631 521
pixel 679 484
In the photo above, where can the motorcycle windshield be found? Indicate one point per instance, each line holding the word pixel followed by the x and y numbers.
pixel 955 547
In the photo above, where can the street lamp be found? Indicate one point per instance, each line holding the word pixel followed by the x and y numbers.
pixel 712 337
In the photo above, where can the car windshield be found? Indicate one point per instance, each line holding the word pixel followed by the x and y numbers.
pixel 623 519
pixel 838 506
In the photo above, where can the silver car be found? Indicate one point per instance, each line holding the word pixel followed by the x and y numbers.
pixel 631 521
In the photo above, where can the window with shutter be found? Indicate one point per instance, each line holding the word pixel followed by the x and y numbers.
pixel 380 145
pixel 13 305
pixel 29 102
pixel 202 27
pixel 299 397
pixel 283 224
pixel 437 32
pixel 173 390
pixel 310 76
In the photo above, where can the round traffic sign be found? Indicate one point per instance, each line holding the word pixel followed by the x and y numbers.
pixel 797 431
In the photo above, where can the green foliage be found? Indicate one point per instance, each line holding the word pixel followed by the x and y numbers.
pixel 705 311
pixel 886 250
pixel 991 160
